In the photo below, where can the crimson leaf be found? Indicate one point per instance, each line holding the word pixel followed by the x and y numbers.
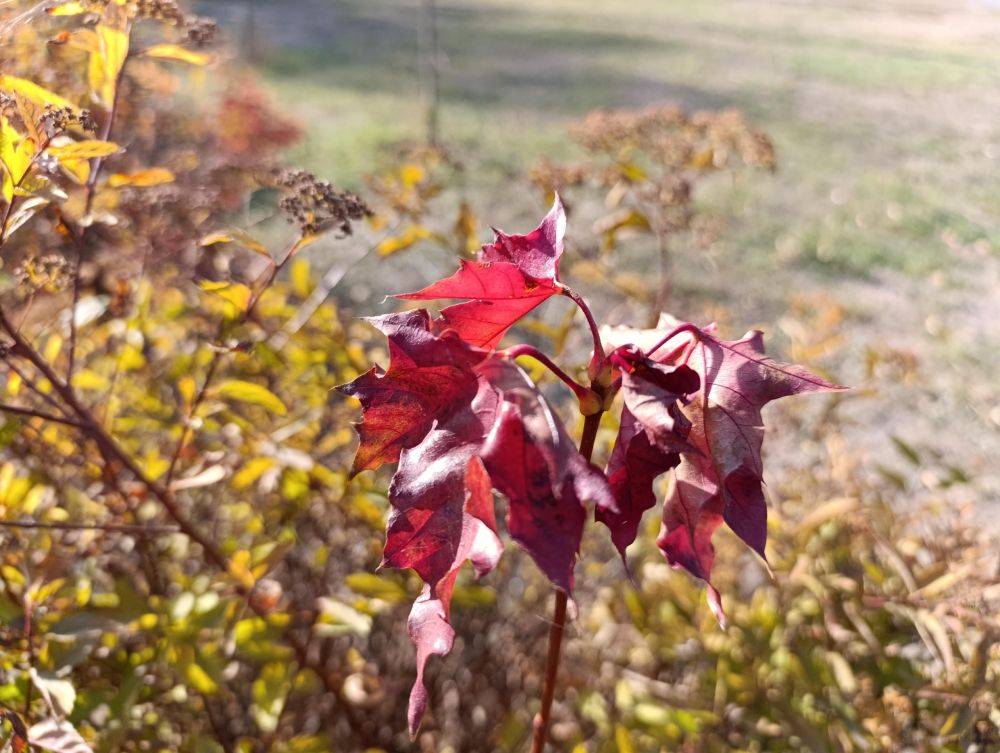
pixel 430 488
pixel 478 543
pixel 513 275
pixel 430 375
pixel 722 479
pixel 546 480
pixel 651 435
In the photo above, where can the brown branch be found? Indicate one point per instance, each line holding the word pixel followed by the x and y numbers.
pixel 31 412
pixel 110 527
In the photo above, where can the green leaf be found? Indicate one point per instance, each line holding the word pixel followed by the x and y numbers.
pixel 376 587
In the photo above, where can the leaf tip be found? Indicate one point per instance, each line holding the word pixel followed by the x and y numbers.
pixel 715 604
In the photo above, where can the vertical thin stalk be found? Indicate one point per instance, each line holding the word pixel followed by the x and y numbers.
pixel 429 73
pixel 540 727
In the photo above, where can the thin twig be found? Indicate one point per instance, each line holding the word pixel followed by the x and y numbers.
pixel 110 527
pixel 31 412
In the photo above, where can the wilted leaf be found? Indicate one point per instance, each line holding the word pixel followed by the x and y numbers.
pixel 59 736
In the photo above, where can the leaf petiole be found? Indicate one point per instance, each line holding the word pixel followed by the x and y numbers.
pixel 529 351
pixel 686 327
pixel 597 360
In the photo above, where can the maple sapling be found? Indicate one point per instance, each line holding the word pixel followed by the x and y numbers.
pixel 462 419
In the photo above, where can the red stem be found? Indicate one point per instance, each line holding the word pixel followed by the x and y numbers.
pixel 540 727
pixel 532 352
pixel 686 327
pixel 595 332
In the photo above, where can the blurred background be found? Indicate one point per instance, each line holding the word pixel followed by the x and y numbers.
pixel 828 172
pixel 883 203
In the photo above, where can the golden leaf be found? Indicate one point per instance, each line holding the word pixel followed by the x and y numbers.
pixel 34 92
pixel 176 52
pixel 235 236
pixel 409 236
pixel 71 8
pixel 255 394
pixel 88 149
pixel 153 176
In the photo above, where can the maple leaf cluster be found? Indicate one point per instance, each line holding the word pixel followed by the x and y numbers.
pixel 461 419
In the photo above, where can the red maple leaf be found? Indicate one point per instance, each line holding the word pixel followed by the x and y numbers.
pixel 721 479
pixel 634 465
pixel 513 275
pixel 461 423
pixel 546 480
pixel 651 435
pixel 430 376
pixel 478 543
pixel 430 489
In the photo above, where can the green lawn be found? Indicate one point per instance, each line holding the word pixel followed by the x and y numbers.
pixel 886 116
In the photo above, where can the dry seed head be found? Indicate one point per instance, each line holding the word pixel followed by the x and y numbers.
pixel 316 206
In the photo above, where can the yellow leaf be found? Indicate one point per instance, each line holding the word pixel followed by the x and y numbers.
pixel 252 471
pixel 305 240
pixel 255 394
pixel 300 278
pixel 376 587
pixel 234 293
pixel 71 8
pixel 52 347
pixel 187 389
pixel 409 236
pixel 239 567
pixel 90 380
pixel 235 236
pixel 176 52
pixel 466 228
pixel 411 174
pixel 34 92
pixel 200 679
pixel 153 176
pixel 107 62
pixel 88 149
pixel 16 154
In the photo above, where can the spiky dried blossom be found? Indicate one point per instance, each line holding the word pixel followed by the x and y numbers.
pixel 315 205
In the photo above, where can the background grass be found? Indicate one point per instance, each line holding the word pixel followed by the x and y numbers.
pixel 885 116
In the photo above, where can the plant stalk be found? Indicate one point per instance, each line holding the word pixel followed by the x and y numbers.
pixel 540 727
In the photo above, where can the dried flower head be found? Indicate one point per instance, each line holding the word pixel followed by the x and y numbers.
pixel 56 120
pixel 160 10
pixel 552 177
pixel 316 206
pixel 200 30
